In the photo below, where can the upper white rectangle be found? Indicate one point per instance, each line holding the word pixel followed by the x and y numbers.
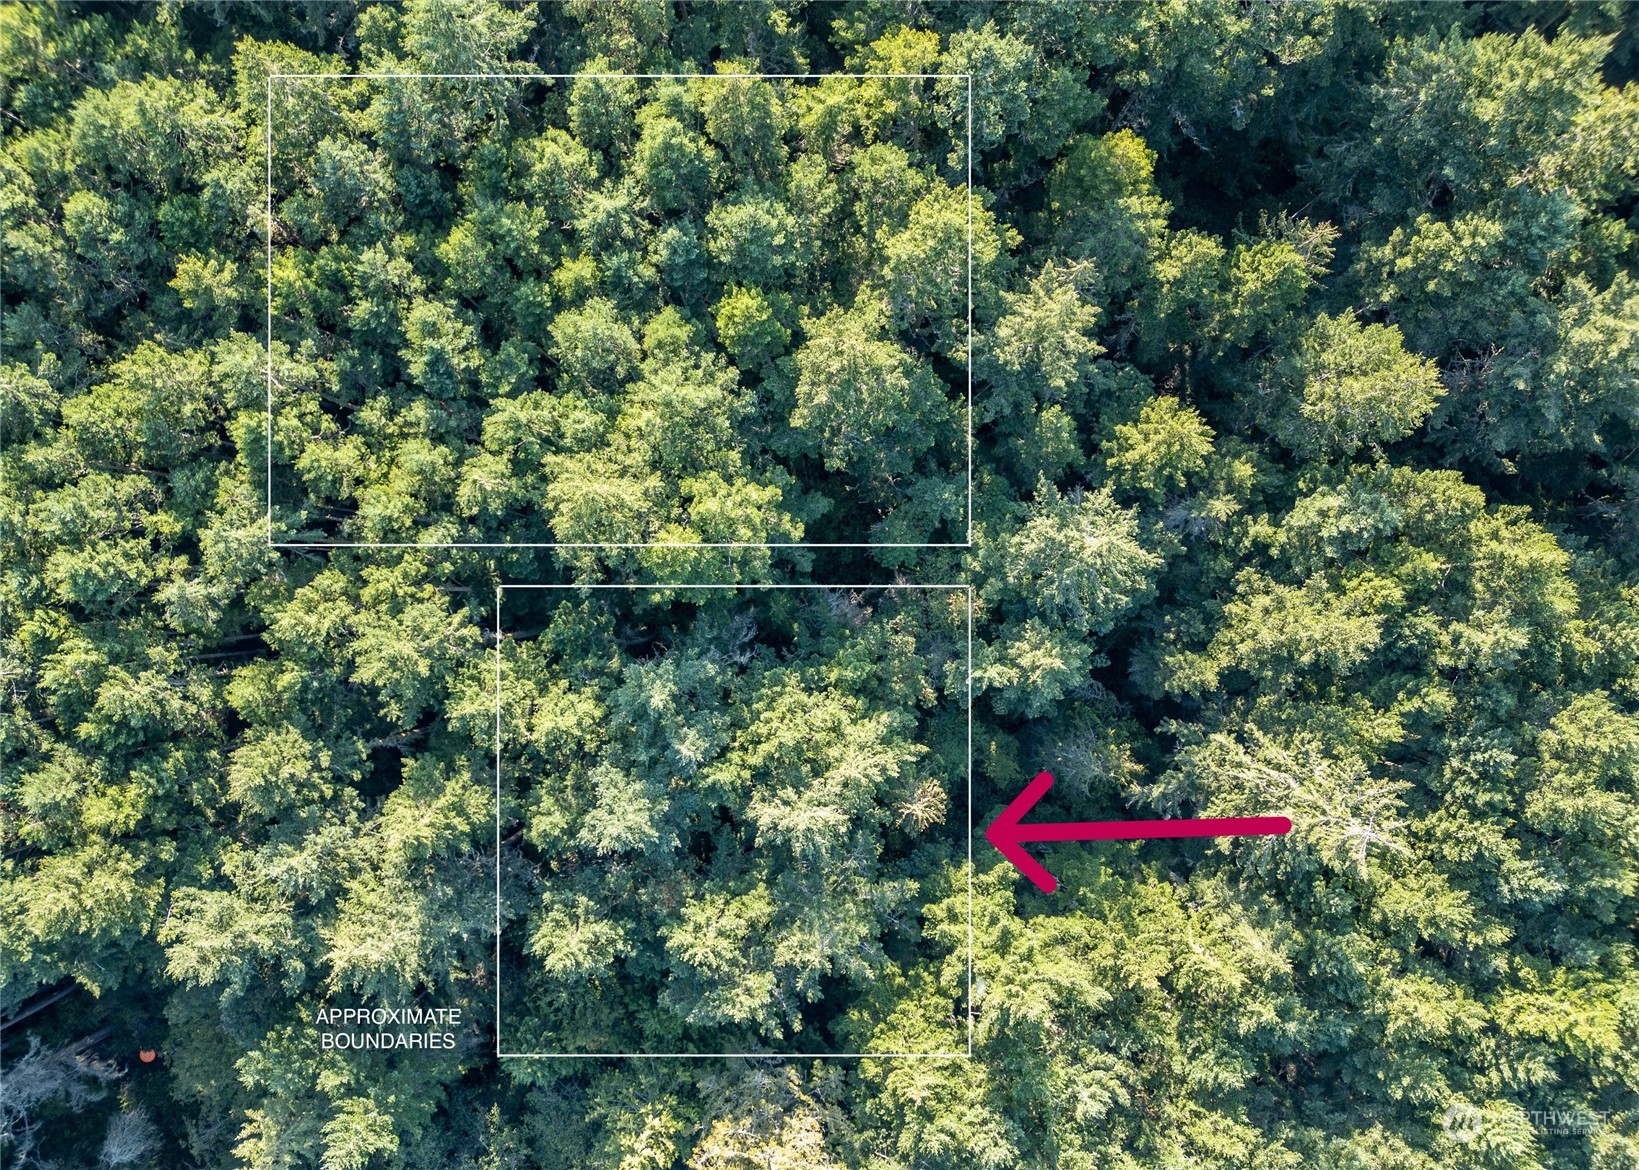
pixel 268 138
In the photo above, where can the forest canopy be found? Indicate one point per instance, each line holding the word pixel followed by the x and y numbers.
pixel 722 840
pixel 617 311
pixel 1304 376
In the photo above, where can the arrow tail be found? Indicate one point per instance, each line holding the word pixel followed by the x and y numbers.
pixel 1137 830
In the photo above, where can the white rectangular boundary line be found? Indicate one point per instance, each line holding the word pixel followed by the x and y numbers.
pixel 500 590
pixel 268 141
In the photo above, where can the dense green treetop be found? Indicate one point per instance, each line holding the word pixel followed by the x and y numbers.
pixel 1305 372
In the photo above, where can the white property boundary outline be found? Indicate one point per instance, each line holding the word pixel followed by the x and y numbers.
pixel 967 590
pixel 552 77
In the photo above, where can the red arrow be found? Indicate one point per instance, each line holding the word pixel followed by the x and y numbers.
pixel 1009 836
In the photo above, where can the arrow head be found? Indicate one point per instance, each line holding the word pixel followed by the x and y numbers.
pixel 1004 833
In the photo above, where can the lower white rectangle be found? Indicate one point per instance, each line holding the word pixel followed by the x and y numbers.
pixel 850 601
